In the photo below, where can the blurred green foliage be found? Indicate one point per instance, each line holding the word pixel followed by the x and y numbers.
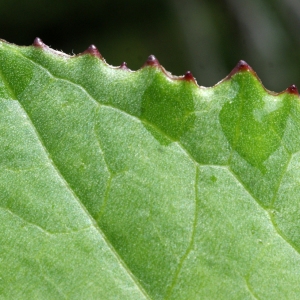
pixel 205 37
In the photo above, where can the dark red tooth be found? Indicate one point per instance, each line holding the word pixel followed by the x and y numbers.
pixel 124 66
pixel 152 61
pixel 189 76
pixel 292 90
pixel 92 50
pixel 240 67
pixel 38 43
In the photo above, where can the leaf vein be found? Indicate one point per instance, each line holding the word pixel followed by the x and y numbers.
pixel 191 243
pixel 188 154
pixel 83 208
pixel 97 102
pixel 250 290
pixel 278 231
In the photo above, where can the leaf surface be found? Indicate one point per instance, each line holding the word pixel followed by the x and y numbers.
pixel 139 185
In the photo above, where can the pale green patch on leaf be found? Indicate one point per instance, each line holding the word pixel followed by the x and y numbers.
pixel 136 185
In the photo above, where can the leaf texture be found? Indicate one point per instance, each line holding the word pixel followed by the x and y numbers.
pixel 138 185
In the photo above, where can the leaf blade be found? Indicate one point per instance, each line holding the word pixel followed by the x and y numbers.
pixel 147 160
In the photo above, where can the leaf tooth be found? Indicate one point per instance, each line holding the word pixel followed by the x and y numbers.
pixel 152 61
pixel 123 66
pixel 189 77
pixel 92 50
pixel 39 43
pixel 241 66
pixel 292 90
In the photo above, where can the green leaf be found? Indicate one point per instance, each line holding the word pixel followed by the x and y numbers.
pixel 139 185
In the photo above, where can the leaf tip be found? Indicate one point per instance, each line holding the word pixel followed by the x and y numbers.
pixel 292 90
pixel 92 50
pixel 38 43
pixel 152 61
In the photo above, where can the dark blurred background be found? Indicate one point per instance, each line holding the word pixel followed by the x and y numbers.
pixel 207 37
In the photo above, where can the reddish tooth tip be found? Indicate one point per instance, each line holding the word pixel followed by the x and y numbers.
pixel 292 90
pixel 189 76
pixel 38 43
pixel 152 61
pixel 240 67
pixel 124 66
pixel 92 49
pixel 243 66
